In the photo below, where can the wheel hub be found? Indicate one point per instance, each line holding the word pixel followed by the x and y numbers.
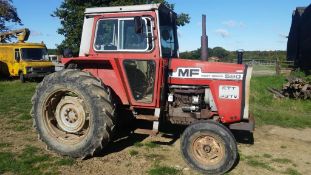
pixel 208 150
pixel 70 114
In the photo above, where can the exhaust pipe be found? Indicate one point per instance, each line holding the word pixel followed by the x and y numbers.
pixel 204 40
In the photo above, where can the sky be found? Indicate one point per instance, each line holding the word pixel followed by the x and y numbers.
pixel 233 25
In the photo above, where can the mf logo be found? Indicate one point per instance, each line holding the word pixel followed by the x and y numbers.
pixel 188 72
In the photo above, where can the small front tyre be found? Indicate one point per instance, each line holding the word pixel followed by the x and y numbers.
pixel 209 147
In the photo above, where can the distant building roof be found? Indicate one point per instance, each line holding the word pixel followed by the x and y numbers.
pixel 300 10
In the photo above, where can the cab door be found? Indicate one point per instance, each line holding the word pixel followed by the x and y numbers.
pixel 135 53
pixel 140 76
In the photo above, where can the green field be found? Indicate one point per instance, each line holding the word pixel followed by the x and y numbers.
pixel 21 153
pixel 282 112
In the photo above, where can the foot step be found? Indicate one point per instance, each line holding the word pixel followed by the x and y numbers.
pixel 146 131
pixel 147 117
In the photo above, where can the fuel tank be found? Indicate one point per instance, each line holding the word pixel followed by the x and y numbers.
pixel 228 83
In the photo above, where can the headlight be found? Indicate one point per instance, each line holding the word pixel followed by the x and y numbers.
pixel 29 69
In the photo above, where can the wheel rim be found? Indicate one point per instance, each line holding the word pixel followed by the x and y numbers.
pixel 208 149
pixel 66 117
pixel 70 114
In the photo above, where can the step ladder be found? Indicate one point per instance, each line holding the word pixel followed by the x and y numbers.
pixel 151 118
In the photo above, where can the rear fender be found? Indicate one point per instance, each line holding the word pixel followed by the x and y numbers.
pixel 106 70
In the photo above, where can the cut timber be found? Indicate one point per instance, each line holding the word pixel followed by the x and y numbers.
pixel 276 93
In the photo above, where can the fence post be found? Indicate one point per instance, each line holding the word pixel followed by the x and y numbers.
pixel 277 67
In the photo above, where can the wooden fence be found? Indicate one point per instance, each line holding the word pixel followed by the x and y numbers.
pixel 269 66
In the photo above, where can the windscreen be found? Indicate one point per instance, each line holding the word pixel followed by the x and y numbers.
pixel 34 54
pixel 168 32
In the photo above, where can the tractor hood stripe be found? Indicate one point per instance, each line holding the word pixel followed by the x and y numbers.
pixel 196 73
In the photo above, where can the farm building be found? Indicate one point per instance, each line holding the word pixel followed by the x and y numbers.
pixel 299 38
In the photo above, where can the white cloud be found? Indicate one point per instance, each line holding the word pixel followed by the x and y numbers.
pixel 233 23
pixel 223 32
pixel 230 23
pixel 35 33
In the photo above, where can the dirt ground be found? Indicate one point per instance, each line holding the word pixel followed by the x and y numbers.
pixel 275 150
pixel 282 150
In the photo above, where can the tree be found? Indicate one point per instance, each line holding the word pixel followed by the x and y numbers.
pixel 220 53
pixel 8 14
pixel 71 13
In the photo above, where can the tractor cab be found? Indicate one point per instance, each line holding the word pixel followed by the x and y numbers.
pixel 137 29
pixel 136 39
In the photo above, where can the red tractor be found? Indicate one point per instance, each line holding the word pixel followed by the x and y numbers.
pixel 129 60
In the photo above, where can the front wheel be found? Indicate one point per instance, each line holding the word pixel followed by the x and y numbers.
pixel 209 147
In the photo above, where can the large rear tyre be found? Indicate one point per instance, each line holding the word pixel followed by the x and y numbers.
pixel 73 113
pixel 209 147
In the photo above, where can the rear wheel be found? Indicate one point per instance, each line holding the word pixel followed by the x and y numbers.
pixel 73 113
pixel 209 147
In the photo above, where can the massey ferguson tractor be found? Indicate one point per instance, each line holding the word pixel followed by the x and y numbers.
pixel 129 60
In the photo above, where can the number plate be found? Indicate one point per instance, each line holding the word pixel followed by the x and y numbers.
pixel 229 92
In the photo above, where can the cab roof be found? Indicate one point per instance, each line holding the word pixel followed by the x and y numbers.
pixel 132 8
pixel 19 44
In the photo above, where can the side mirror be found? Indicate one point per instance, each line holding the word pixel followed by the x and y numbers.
pixel 138 24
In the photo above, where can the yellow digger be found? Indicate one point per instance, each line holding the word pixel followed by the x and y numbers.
pixel 21 59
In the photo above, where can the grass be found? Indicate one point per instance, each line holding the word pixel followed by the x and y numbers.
pixel 281 112
pixel 30 161
pixel 15 105
pixel 291 171
pixel 66 161
pixel 138 144
pixel 267 155
pixel 148 145
pixel 15 98
pixel 5 145
pixel 282 160
pixel 260 164
pixel 266 162
pixel 133 152
pixel 151 145
pixel 164 170
pixel 20 128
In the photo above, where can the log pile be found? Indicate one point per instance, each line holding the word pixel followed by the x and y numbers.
pixel 296 88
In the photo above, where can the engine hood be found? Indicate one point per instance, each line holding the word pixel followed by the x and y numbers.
pixel 229 84
pixel 196 69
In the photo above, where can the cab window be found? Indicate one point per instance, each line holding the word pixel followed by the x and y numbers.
pixel 120 35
